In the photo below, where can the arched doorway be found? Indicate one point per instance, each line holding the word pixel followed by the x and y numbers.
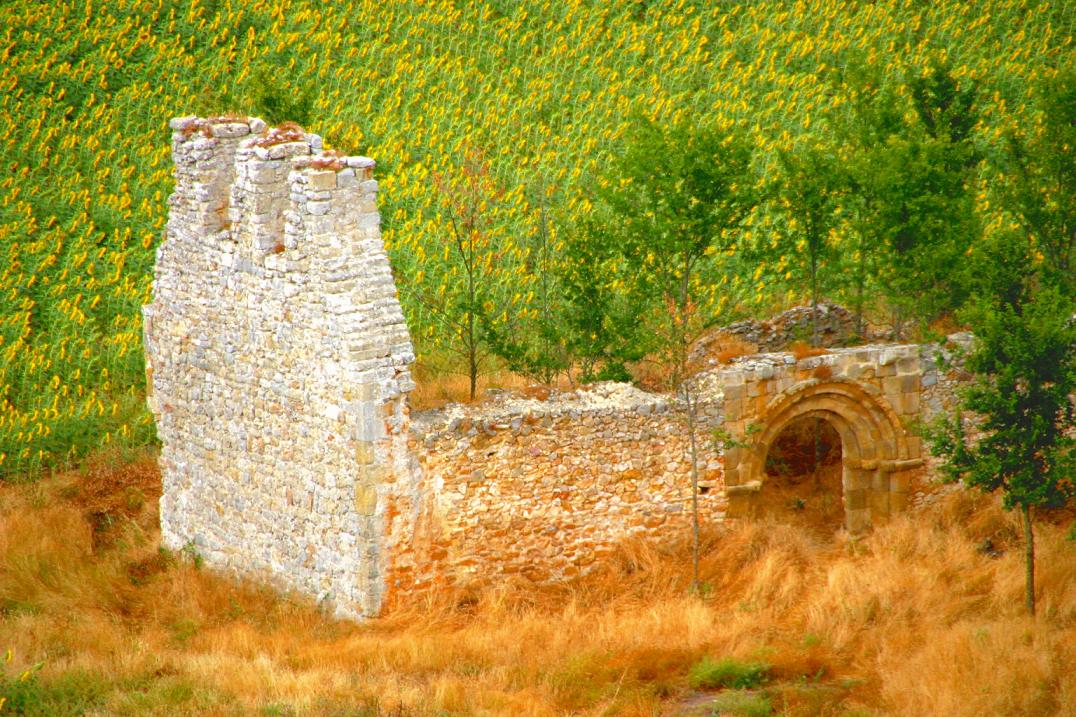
pixel 877 459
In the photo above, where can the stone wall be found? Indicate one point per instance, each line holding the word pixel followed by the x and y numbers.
pixel 836 326
pixel 542 489
pixel 277 359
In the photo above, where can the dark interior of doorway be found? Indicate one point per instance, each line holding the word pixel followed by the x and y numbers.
pixel 803 476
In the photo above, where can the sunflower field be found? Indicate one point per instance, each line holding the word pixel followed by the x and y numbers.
pixel 543 91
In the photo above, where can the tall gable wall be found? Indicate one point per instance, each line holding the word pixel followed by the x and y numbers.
pixel 278 358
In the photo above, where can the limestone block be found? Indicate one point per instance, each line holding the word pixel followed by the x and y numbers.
pixel 230 130
pixel 182 123
pixel 365 499
pixel 322 181
pixel 318 208
pixel 879 505
pixel 856 520
pixel 855 500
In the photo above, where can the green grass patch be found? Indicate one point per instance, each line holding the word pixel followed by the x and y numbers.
pixel 73 693
pixel 709 674
pixel 742 704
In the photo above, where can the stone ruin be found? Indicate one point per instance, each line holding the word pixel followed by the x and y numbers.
pixel 278 372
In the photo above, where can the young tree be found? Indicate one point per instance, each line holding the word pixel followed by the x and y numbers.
pixel 1024 358
pixel 870 117
pixel 932 216
pixel 600 318
pixel 533 341
pixel 670 206
pixel 1024 368
pixel 465 283
pixel 911 175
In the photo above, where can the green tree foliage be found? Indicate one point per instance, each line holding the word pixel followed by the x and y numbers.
pixel 668 211
pixel 1041 171
pixel 1023 363
pixel 599 319
pixel 868 120
pixel 809 193
pixel 911 174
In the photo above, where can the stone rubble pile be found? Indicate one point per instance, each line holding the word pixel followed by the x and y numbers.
pixel 836 328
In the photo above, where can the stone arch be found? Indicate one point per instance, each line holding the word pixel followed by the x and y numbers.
pixel 877 456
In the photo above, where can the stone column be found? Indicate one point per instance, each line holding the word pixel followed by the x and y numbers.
pixel 878 499
pixel 260 194
pixel 856 483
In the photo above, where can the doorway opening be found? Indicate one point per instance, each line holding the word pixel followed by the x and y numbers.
pixel 803 475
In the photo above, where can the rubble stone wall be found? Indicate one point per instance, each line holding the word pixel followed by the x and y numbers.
pixel 543 489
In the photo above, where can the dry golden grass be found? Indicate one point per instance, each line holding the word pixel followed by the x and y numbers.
pixel 435 389
pixel 725 347
pixel 912 620
pixel 802 350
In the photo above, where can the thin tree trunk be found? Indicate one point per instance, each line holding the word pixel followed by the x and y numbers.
pixel 693 444
pixel 1029 561
pixel 814 300
pixel 473 374
pixel 690 400
pixel 860 281
pixel 472 341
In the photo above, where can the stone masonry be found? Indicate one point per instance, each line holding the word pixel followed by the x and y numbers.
pixel 278 370
pixel 874 396
pixel 277 359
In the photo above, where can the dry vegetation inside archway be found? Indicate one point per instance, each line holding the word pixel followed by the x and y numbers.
pixel 802 484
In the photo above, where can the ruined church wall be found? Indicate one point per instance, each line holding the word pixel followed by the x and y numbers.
pixel 278 367
pixel 277 359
